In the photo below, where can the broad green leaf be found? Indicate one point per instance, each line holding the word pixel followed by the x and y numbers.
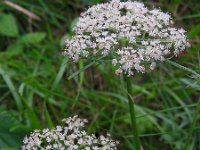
pixel 14 49
pixel 8 25
pixel 32 38
pixel 8 120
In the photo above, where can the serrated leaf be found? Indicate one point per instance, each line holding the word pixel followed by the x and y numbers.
pixel 32 38
pixel 8 25
pixel 14 49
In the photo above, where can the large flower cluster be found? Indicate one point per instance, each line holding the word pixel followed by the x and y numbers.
pixel 129 33
pixel 71 136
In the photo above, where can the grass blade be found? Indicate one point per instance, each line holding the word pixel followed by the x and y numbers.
pixel 60 73
pixel 12 89
pixel 183 68
pixel 82 69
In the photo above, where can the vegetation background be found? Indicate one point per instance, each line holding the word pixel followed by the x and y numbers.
pixel 35 91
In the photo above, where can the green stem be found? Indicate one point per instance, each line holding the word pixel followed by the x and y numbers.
pixel 132 114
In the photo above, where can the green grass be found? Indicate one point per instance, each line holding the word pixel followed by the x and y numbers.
pixel 35 91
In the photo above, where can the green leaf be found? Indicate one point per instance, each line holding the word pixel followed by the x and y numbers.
pixel 8 148
pixel 194 32
pixel 14 49
pixel 8 25
pixel 48 117
pixel 32 117
pixel 62 41
pixel 184 68
pixel 60 73
pixel 32 38
pixel 73 23
pixel 34 120
pixel 192 83
pixel 8 120
pixel 12 88
pixel 81 70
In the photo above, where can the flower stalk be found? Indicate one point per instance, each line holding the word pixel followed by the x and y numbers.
pixel 132 113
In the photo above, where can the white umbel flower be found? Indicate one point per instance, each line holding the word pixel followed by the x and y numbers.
pixel 71 136
pixel 134 36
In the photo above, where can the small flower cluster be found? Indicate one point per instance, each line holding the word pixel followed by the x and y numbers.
pixel 70 137
pixel 129 32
